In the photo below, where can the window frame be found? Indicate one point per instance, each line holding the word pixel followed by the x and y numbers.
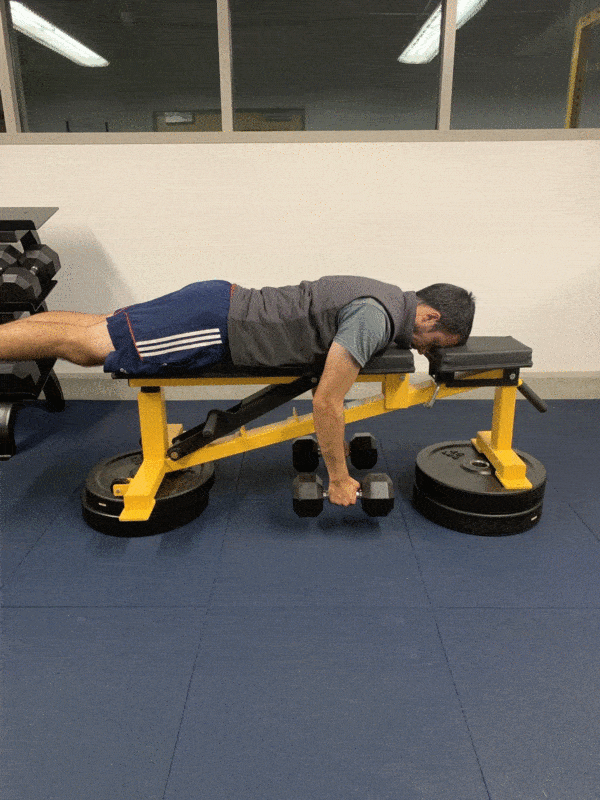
pixel 15 134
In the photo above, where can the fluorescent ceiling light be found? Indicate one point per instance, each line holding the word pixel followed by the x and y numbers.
pixel 426 44
pixel 43 32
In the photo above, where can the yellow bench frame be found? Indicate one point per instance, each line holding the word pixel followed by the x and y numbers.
pixel 397 392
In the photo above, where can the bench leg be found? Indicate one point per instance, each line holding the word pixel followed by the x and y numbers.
pixel 496 445
pixel 139 494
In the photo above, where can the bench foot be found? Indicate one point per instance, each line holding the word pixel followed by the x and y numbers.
pixel 181 497
pixel 456 487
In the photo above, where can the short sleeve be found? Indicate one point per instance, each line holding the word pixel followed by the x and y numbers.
pixel 364 328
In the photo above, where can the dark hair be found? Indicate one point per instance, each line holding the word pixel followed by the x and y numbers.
pixel 456 307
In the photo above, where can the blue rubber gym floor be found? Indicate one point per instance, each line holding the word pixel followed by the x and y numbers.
pixel 254 655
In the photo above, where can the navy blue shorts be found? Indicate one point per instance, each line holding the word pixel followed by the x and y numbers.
pixel 178 333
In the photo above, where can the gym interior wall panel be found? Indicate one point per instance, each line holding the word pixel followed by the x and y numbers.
pixel 515 222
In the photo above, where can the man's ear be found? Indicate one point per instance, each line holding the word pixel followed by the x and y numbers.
pixel 431 315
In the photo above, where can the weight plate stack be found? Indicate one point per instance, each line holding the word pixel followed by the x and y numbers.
pixel 181 497
pixel 456 487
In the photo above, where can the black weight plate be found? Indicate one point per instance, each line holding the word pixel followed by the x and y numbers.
pixel 181 497
pixel 455 475
pixel 478 524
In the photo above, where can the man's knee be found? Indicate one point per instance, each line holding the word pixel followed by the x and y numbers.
pixel 94 344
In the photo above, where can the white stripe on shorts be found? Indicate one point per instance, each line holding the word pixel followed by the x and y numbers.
pixel 178 336
pixel 185 342
pixel 192 344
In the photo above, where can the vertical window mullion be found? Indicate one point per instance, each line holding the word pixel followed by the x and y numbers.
pixel 8 85
pixel 225 64
pixel 447 47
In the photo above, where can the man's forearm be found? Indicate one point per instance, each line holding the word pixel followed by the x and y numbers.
pixel 330 428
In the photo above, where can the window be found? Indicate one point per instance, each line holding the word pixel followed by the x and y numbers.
pixel 160 55
pixel 197 66
pixel 512 66
pixel 338 61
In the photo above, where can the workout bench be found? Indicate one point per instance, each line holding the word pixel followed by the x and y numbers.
pixel 121 494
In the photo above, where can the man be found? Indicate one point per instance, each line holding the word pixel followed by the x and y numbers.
pixel 337 323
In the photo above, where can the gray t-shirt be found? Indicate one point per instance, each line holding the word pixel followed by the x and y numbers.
pixel 364 328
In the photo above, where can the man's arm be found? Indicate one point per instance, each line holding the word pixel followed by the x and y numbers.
pixel 340 372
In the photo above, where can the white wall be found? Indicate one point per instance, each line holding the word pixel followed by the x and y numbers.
pixel 515 222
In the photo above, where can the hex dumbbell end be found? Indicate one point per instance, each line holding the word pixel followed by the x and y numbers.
pixel 41 261
pixel 9 256
pixel 305 454
pixel 363 451
pixel 377 494
pixel 308 495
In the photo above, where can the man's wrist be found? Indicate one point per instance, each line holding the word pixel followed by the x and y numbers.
pixel 339 479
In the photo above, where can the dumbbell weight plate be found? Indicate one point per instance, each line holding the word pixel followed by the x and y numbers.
pixel 363 451
pixel 377 494
pixel 305 454
pixel 18 285
pixel 308 496
pixel 42 261
pixel 9 256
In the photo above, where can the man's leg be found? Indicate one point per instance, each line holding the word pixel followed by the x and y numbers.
pixel 65 318
pixel 82 339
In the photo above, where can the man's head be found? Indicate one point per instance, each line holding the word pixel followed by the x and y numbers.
pixel 444 317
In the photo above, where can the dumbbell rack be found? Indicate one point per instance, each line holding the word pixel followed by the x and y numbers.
pixel 22 383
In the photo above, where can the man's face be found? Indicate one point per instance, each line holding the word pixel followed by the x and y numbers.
pixel 425 341
pixel 424 337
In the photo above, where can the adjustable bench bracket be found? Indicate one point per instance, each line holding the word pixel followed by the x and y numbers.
pixel 510 377
pixel 220 423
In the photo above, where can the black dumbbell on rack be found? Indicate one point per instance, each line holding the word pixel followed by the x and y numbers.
pixel 9 257
pixel 363 452
pixel 27 270
pixel 26 278
pixel 376 495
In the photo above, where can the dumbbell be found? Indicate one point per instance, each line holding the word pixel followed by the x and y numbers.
pixel 42 262
pixel 20 378
pixel 376 495
pixel 26 280
pixel 9 256
pixel 363 451
pixel 305 454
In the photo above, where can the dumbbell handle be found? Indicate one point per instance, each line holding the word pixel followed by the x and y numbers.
pixel 359 494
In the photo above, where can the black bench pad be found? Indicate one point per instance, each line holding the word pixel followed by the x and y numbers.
pixel 391 360
pixel 481 353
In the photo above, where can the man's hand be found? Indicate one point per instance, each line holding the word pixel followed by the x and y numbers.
pixel 343 493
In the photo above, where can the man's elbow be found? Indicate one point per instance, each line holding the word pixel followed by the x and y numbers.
pixel 326 404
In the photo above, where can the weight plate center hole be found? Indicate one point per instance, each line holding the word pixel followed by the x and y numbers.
pixel 479 465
